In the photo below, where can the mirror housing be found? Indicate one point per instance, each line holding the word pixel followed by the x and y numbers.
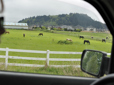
pixel 2 29
pixel 95 63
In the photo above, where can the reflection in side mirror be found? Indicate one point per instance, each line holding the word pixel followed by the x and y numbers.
pixel 92 62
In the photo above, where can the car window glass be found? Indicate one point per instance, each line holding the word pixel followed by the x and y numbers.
pixel 48 36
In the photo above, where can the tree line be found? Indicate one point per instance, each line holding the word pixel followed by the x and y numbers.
pixel 72 19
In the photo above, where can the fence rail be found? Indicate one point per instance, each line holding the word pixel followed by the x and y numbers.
pixel 47 59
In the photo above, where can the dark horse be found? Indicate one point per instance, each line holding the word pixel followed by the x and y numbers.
pixel 103 40
pixel 106 37
pixel 81 37
pixel 40 34
pixel 86 41
pixel 23 35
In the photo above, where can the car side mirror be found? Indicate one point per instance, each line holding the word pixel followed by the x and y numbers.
pixel 95 63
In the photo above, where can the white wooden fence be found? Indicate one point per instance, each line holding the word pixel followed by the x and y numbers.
pixel 47 59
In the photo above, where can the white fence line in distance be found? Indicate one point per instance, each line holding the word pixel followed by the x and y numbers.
pixel 47 59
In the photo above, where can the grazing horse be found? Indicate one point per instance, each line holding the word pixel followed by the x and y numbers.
pixel 81 37
pixel 40 34
pixel 86 41
pixel 69 39
pixel 7 32
pixel 23 35
pixel 91 37
pixel 106 37
pixel 103 40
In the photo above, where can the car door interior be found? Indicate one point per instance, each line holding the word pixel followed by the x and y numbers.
pixel 14 78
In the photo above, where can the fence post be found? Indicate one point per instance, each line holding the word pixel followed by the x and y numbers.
pixel 47 60
pixel 6 59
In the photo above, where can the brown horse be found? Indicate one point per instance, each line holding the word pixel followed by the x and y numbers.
pixel 7 32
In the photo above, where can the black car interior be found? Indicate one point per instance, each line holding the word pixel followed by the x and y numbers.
pixel 106 9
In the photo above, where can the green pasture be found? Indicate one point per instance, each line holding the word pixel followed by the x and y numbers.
pixel 49 41
pixel 32 41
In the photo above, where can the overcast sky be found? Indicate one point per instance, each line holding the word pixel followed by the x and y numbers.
pixel 16 10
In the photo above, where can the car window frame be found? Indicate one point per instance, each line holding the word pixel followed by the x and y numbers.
pixel 43 77
pixel 106 11
pixel 28 78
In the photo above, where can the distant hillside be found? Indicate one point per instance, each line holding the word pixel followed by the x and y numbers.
pixel 72 19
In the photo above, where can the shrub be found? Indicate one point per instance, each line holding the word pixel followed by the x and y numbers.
pixel 78 30
pixel 64 42
pixel 52 31
pixel 67 42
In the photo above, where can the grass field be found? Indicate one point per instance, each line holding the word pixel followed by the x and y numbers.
pixel 48 41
